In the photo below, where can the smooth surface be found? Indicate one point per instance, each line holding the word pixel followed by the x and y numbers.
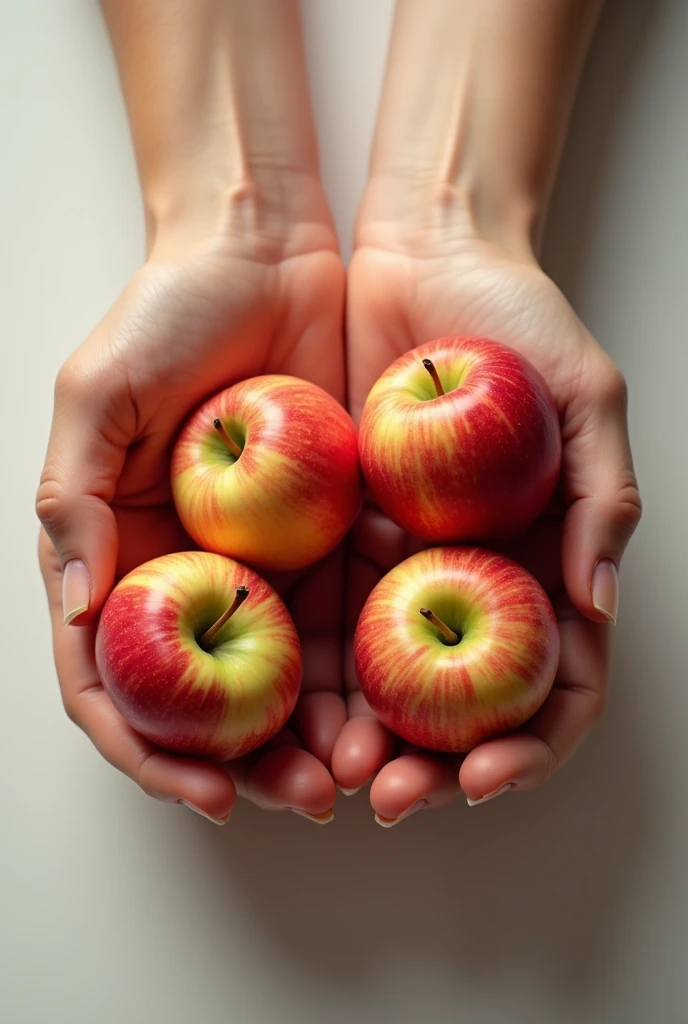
pixel 565 905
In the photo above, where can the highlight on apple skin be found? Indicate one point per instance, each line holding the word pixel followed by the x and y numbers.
pixel 268 473
pixel 186 673
pixel 456 645
pixel 459 441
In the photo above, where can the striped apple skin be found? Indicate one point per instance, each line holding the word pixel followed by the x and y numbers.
pixel 291 496
pixel 480 461
pixel 220 704
pixel 450 698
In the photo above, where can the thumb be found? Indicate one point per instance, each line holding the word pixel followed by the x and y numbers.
pixel 93 424
pixel 606 506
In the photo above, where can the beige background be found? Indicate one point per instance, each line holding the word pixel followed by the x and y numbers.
pixel 565 905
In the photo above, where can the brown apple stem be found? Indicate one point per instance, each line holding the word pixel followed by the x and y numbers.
pixel 210 634
pixel 229 441
pixel 449 635
pixel 430 367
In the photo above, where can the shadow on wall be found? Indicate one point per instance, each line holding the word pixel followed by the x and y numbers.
pixel 535 881
pixel 611 70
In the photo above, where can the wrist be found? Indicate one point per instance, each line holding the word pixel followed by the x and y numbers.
pixel 265 213
pixel 422 214
pixel 472 118
pixel 217 97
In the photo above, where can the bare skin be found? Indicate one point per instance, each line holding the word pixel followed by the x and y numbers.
pixel 447 241
pixel 242 276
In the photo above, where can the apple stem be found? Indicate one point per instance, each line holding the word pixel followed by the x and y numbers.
pixel 430 367
pixel 229 441
pixel 210 634
pixel 449 635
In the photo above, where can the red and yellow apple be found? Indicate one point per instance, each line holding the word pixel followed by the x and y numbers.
pixel 267 472
pixel 200 655
pixel 455 645
pixel 460 441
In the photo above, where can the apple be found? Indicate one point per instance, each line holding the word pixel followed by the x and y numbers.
pixel 460 441
pixel 199 655
pixel 267 472
pixel 455 645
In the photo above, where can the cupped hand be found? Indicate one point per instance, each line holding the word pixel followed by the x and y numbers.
pixel 191 322
pixel 398 298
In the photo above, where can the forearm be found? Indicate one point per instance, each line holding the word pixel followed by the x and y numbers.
pixel 217 98
pixel 475 106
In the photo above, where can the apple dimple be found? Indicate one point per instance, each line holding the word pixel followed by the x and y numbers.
pixel 216 634
pixel 227 440
pixel 451 601
pixel 455 645
pixel 433 383
pixel 293 491
pixel 442 629
pixel 219 703
pixel 446 374
pixel 196 619
pixel 478 461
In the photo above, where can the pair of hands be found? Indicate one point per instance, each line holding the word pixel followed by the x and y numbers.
pixel 204 314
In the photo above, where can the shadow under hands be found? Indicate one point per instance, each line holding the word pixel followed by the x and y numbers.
pixel 534 881
pixel 538 879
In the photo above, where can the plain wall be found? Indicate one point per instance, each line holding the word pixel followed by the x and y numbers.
pixel 565 905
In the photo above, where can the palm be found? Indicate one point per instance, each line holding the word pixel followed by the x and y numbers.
pixel 177 334
pixel 396 303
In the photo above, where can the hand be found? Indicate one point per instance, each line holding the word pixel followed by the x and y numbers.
pixel 189 324
pixel 401 295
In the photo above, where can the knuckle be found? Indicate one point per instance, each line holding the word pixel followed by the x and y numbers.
pixel 551 762
pixel 70 381
pixel 628 509
pixel 597 705
pixel 98 392
pixel 84 382
pixel 71 707
pixel 78 704
pixel 631 512
pixel 50 501
pixel 612 388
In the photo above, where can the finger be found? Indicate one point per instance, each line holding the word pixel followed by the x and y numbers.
pixel 538 550
pixel 203 787
pixel 363 577
pixel 362 748
pixel 93 423
pixel 380 542
pixel 286 778
pixel 412 782
pixel 527 759
pixel 364 744
pixel 320 718
pixel 606 508
pixel 315 601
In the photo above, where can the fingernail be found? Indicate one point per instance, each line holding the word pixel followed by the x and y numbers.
pixel 490 796
pixel 349 792
pixel 605 589
pixel 76 590
pixel 319 819
pixel 216 821
pixel 389 822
